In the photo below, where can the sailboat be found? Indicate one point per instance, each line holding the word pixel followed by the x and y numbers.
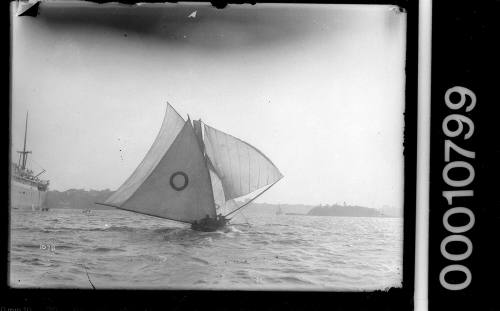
pixel 193 173
pixel 279 211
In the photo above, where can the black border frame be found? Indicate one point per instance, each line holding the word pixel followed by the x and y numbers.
pixel 393 299
pixel 465 53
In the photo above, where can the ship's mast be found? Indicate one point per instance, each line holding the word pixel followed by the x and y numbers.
pixel 23 155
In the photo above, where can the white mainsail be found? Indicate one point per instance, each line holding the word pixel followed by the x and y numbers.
pixel 242 168
pixel 176 187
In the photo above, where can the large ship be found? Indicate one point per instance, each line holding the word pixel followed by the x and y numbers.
pixel 27 191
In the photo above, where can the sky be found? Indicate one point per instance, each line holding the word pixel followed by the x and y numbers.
pixel 319 89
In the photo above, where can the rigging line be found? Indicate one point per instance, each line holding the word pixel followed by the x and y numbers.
pixel 24 148
pixel 239 165
pixel 31 160
pixel 250 201
pixel 142 213
pixel 248 154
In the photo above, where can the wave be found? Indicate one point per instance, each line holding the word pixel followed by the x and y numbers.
pixel 169 230
pixel 234 229
pixel 288 279
pixel 133 252
pixel 203 261
pixel 64 247
pixel 294 279
pixel 109 228
pixel 106 227
pixel 32 261
pixel 292 242
pixel 29 246
pixel 276 225
pixel 102 249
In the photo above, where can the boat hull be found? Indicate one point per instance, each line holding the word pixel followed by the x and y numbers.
pixel 210 226
pixel 27 197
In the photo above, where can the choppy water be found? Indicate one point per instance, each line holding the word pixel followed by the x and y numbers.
pixel 120 249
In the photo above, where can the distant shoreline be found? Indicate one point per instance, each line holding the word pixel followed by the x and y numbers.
pixel 297 214
pixel 86 199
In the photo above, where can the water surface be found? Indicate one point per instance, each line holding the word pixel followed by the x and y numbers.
pixel 119 249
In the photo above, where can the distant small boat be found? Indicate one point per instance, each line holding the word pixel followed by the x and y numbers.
pixel 193 173
pixel 279 211
pixel 87 211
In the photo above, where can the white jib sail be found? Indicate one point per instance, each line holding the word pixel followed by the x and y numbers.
pixel 222 206
pixel 242 168
pixel 170 128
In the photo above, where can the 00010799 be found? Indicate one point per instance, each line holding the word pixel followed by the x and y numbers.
pixel 457 185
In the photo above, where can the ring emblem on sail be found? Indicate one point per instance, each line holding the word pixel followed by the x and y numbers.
pixel 179 181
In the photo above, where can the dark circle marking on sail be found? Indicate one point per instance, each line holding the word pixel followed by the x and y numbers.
pixel 174 182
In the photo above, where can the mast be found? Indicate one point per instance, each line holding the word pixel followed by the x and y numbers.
pixel 25 135
pixel 23 155
pixel 198 130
